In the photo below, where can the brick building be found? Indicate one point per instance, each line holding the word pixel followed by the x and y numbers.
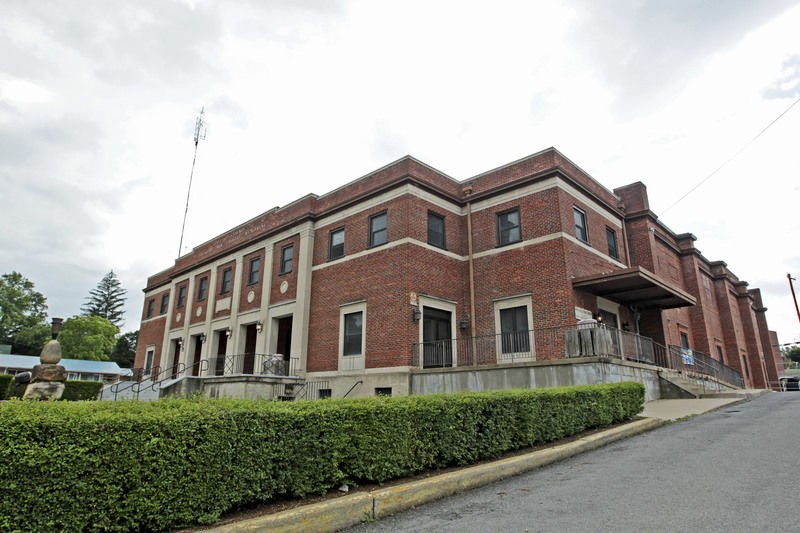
pixel 407 270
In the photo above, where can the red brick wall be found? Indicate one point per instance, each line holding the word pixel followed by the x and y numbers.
pixel 197 304
pixel 256 287
pixel 217 294
pixel 290 277
pixel 180 312
pixel 151 332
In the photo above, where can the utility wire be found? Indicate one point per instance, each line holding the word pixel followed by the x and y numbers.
pixel 731 158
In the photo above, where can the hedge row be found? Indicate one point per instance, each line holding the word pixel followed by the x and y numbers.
pixel 124 466
pixel 73 390
pixel 5 385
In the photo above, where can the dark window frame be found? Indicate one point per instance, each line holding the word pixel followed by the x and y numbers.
pixel 515 340
pixel 583 227
pixel 151 308
pixel 504 234
pixel 226 284
pixel 336 251
pixel 164 304
pixel 202 289
pixel 287 263
pixel 611 237
pixel 431 236
pixel 181 302
pixel 685 340
pixel 374 240
pixel 254 273
pixel 350 338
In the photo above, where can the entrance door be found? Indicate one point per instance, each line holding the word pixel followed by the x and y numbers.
pixel 222 348
pixel 176 359
pixel 249 349
pixel 279 364
pixel 198 348
pixel 610 319
pixel 437 346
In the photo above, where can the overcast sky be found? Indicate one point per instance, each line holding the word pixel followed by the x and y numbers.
pixel 98 101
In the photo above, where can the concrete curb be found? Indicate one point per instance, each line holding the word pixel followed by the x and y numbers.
pixel 353 509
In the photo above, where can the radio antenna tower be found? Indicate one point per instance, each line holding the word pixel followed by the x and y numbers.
pixel 199 135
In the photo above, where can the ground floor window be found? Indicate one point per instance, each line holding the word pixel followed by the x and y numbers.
pixel 515 337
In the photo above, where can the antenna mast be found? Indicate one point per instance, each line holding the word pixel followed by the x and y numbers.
pixel 199 135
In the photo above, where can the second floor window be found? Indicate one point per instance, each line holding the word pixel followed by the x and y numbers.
pixel 378 229
pixel 580 225
pixel 181 296
pixel 337 244
pixel 611 237
pixel 287 258
pixel 164 304
pixel 151 306
pixel 436 230
pixel 508 227
pixel 227 278
pixel 255 270
pixel 202 289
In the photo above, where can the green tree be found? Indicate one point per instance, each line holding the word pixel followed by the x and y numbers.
pixel 31 339
pixel 124 350
pixel 793 353
pixel 87 337
pixel 23 313
pixel 106 300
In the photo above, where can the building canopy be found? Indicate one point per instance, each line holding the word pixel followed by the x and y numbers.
pixel 635 287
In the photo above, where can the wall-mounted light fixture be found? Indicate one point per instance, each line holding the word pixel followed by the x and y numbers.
pixel 180 343
pixel 202 338
pixel 259 326
pixel 228 333
pixel 416 315
pixel 463 323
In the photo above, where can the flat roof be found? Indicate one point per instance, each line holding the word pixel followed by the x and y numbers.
pixel 82 366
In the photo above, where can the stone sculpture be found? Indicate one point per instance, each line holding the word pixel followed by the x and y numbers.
pixel 48 377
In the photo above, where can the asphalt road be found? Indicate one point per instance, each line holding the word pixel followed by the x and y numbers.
pixel 737 469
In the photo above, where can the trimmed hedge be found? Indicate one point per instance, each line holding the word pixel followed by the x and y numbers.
pixel 5 385
pixel 123 466
pixel 74 390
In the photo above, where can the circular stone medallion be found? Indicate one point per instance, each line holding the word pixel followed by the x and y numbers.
pixel 178 317
pixel 284 287
pixel 199 311
pixel 251 296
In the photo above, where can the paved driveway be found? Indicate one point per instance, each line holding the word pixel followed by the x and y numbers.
pixel 737 469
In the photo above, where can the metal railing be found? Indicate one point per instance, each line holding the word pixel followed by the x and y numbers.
pixel 588 340
pixel 471 351
pixel 693 362
pixel 255 364
pixel 247 364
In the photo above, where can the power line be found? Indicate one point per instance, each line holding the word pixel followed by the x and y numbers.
pixel 731 158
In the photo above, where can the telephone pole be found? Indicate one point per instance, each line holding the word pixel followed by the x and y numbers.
pixel 199 135
pixel 794 296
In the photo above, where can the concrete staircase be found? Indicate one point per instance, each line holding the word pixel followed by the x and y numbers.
pixel 678 385
pixel 144 390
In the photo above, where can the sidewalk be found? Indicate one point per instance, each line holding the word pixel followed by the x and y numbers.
pixel 350 510
pixel 678 409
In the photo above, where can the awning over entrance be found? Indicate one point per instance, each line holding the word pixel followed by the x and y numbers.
pixel 635 286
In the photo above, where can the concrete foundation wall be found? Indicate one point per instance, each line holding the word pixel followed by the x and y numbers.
pixel 249 387
pixel 536 375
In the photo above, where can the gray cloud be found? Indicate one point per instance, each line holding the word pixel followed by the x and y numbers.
pixel 648 50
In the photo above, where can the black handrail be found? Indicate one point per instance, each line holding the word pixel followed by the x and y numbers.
pixel 356 384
